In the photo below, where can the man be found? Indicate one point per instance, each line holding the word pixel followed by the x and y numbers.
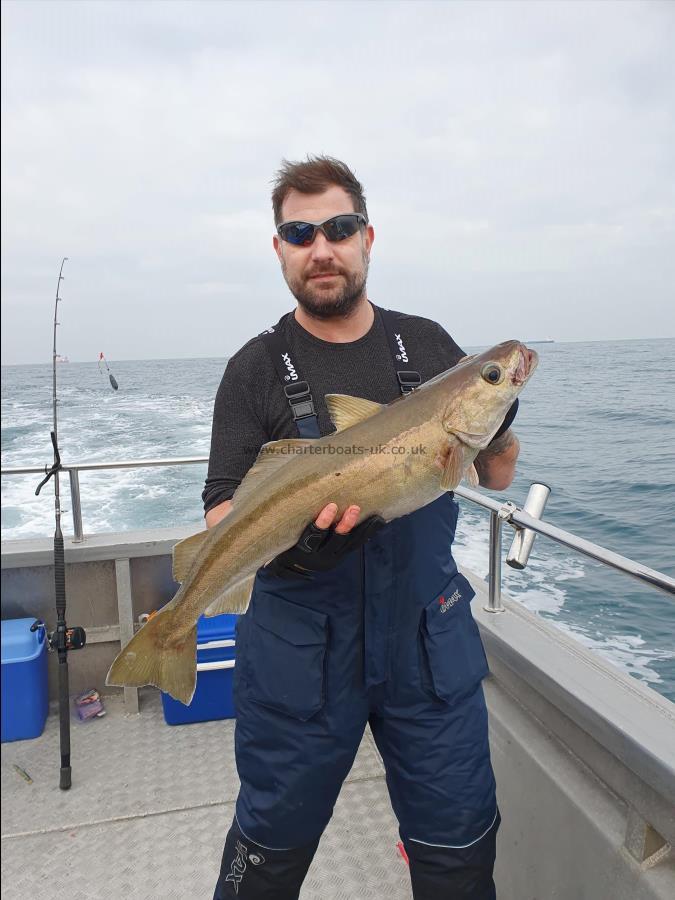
pixel 339 633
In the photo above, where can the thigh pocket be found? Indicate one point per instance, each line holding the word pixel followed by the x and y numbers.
pixel 286 656
pixel 454 659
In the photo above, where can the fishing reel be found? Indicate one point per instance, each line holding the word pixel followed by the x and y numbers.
pixel 70 638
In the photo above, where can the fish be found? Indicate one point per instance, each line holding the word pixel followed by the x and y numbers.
pixel 389 459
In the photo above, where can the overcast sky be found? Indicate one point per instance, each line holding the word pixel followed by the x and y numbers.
pixel 518 160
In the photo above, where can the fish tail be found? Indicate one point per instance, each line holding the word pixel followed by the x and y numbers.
pixel 156 655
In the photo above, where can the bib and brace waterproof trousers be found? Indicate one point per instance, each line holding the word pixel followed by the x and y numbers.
pixel 385 638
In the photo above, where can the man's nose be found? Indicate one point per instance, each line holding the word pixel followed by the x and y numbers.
pixel 322 248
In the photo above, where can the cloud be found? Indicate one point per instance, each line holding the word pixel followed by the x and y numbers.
pixel 517 157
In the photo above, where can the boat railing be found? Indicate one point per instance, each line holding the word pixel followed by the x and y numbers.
pixel 525 520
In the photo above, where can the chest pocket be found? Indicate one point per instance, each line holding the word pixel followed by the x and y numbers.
pixel 286 656
pixel 453 659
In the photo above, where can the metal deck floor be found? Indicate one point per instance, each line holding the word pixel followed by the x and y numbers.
pixel 149 808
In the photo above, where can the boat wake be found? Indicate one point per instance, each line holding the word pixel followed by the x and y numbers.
pixel 546 587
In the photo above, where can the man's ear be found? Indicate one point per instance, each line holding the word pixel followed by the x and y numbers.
pixel 370 237
pixel 276 243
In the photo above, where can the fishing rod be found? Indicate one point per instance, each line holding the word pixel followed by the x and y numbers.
pixel 63 639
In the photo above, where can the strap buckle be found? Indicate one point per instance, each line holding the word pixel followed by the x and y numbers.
pixel 408 381
pixel 300 400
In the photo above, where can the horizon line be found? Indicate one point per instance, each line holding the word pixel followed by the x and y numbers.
pixel 227 356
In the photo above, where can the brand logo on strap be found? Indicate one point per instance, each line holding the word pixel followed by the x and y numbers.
pixel 292 374
pixel 238 867
pixel 445 605
pixel 402 355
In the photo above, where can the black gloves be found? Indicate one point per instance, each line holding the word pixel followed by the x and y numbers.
pixel 508 421
pixel 321 549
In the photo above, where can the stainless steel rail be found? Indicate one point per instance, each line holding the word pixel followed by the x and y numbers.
pixel 499 513
pixel 518 518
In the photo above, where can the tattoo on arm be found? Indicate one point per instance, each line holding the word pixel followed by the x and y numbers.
pixel 503 443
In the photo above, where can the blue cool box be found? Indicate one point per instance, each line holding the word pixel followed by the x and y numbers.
pixel 215 665
pixel 25 696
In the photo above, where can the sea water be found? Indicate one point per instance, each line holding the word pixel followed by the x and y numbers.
pixel 596 423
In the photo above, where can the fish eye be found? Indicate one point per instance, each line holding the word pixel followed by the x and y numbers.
pixel 492 373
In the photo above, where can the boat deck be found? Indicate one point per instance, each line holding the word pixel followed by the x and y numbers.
pixel 583 756
pixel 149 808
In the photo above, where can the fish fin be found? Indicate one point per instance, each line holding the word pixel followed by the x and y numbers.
pixel 270 459
pixel 154 655
pixel 234 600
pixel 453 468
pixel 471 476
pixel 184 553
pixel 346 411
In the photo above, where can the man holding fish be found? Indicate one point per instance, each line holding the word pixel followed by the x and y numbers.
pixel 294 751
pixel 359 421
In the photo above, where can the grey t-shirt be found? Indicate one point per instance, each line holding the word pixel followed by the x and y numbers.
pixel 251 407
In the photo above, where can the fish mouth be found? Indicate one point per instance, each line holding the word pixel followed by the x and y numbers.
pixel 527 363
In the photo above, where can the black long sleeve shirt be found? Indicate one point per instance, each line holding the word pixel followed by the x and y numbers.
pixel 251 407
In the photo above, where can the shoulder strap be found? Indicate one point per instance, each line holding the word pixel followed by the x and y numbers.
pixel 296 390
pixel 408 379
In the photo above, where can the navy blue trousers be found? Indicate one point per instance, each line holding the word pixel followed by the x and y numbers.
pixel 387 639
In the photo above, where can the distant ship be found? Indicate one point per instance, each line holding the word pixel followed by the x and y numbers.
pixel 61 358
pixel 544 341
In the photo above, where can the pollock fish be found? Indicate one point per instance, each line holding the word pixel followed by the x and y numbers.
pixel 389 459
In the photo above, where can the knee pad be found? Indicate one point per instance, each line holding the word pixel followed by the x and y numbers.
pixel 454 873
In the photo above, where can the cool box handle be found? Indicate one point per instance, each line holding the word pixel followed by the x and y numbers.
pixel 214 645
pixel 216 664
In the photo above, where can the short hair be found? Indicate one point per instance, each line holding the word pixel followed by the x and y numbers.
pixel 314 176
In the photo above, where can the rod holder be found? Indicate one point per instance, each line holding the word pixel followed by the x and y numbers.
pixel 76 505
pixel 521 547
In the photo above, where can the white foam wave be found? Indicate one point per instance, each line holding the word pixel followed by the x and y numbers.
pixel 537 586
pixel 115 500
pixel 627 652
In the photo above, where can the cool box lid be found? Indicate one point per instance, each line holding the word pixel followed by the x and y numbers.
pixel 19 643
pixel 215 628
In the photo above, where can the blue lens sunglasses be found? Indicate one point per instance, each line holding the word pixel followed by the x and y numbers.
pixel 336 229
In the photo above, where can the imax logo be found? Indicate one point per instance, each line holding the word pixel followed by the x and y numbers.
pixel 402 355
pixel 292 374
pixel 238 866
pixel 445 605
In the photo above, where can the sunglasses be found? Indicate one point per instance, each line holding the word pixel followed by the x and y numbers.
pixel 336 229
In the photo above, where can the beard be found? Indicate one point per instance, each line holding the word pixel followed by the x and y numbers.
pixel 324 302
